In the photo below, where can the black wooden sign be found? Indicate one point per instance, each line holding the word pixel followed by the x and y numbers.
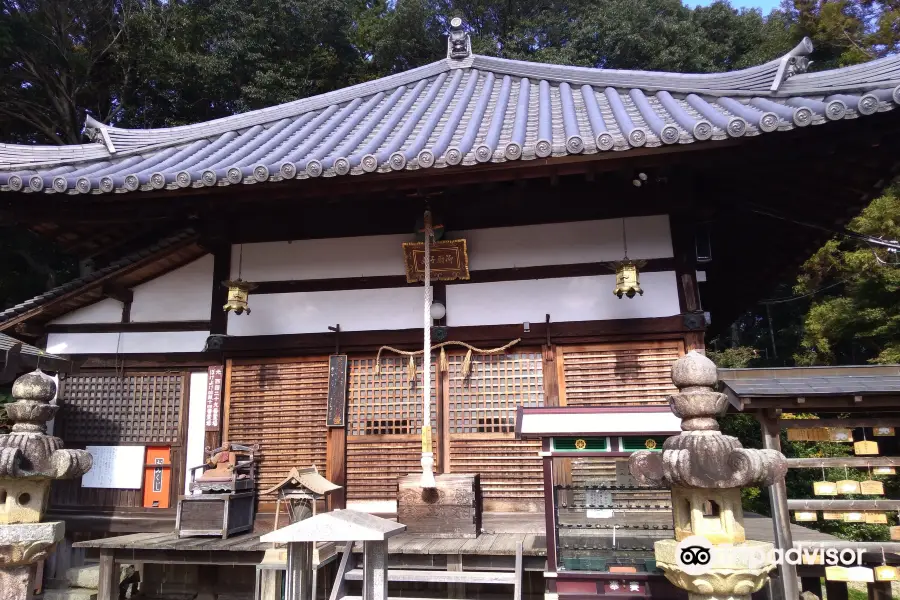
pixel 337 390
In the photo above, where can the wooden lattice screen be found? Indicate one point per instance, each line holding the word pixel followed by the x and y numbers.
pixel 281 406
pixel 481 419
pixel 138 408
pixel 626 374
pixel 384 425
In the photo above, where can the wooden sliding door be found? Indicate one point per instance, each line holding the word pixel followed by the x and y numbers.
pixel 384 426
pixel 280 404
pixel 480 417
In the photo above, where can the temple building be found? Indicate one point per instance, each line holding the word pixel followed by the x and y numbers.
pixel 258 279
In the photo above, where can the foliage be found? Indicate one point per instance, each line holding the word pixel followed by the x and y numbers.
pixel 738 357
pixel 857 319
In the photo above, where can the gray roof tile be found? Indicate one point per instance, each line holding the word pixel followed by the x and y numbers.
pixel 457 111
pixel 814 386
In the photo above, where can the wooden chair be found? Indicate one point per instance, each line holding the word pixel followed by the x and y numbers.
pixel 222 500
pixel 229 469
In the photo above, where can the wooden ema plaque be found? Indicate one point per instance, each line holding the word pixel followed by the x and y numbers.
pixel 876 518
pixel 895 534
pixel 865 448
pixel 871 487
pixel 886 573
pixel 854 574
pixel 854 517
pixel 832 516
pixel 884 471
pixel 805 516
pixel 825 488
pixel 882 431
pixel 337 390
pixel 848 486
pixel 449 261
pixel 840 434
pixel 450 510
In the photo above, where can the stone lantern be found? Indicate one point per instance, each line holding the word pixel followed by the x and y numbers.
pixel 29 461
pixel 706 471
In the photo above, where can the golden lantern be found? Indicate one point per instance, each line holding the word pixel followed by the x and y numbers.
pixel 628 278
pixel 238 293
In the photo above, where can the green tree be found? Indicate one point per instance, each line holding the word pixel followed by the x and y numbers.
pixel 855 318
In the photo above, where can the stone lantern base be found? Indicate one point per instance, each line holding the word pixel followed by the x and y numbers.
pixel 734 572
pixel 21 546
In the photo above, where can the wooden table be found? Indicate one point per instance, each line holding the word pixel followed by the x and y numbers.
pixel 168 548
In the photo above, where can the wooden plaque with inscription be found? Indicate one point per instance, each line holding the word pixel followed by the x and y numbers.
pixel 337 390
pixel 449 261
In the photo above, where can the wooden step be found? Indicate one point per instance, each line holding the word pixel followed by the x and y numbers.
pixel 422 575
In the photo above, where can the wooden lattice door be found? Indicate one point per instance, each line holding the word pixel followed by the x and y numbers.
pixel 280 404
pixel 481 420
pixel 384 426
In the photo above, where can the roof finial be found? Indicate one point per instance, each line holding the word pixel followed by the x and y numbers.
pixel 459 45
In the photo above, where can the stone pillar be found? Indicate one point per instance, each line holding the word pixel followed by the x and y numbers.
pixel 710 556
pixel 29 461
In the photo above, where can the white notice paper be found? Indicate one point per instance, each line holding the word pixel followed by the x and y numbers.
pixel 117 467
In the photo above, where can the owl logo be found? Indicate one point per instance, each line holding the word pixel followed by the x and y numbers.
pixel 580 444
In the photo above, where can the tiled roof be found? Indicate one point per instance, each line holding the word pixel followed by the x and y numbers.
pixel 75 284
pixel 794 382
pixel 465 109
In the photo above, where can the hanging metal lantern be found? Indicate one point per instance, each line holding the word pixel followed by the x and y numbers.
pixel 628 278
pixel 238 294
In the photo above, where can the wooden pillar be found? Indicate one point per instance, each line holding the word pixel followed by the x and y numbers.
pixel 336 466
pixel 207 575
pixel 837 590
pixel 811 584
pixel 108 588
pixel 455 590
pixel 781 519
pixel 299 570
pixel 879 590
pixel 218 318
pixel 375 582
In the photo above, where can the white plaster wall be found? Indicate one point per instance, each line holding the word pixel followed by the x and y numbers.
pixel 129 343
pixel 565 299
pixel 184 294
pixel 196 435
pixel 332 258
pixel 567 243
pixel 495 248
pixel 313 312
pixel 105 311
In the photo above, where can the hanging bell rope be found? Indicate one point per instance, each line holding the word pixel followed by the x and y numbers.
pixel 444 363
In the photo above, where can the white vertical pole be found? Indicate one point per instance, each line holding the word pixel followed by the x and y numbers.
pixel 427 453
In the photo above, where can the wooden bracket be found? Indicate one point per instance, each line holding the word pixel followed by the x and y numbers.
pixel 118 292
pixel 29 329
pixel 337 337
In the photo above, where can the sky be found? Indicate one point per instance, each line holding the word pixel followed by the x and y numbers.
pixel 764 5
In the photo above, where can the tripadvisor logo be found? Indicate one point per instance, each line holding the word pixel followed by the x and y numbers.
pixel 696 556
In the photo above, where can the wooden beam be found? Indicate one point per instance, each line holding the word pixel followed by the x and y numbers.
pixel 816 504
pixel 852 423
pixel 155 326
pixel 850 461
pixel 146 361
pixel 218 318
pixel 484 276
pixel 362 341
pixel 31 330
